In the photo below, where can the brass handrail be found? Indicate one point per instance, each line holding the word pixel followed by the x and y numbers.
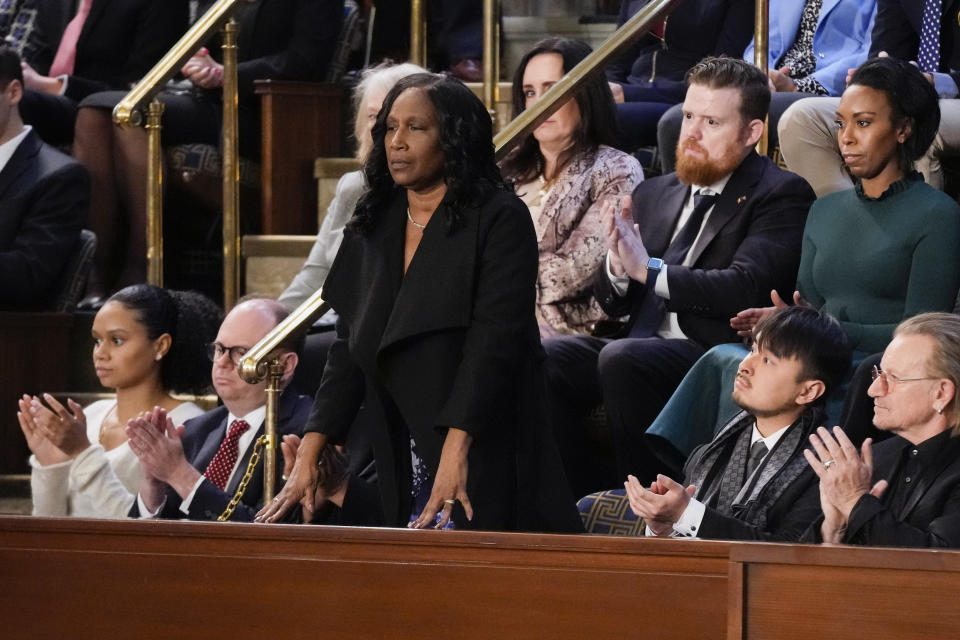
pixel 557 95
pixel 491 54
pixel 129 112
pixel 418 33
pixel 761 49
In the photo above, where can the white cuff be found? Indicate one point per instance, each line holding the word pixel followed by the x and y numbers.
pixel 64 79
pixel 185 504
pixel 619 283
pixel 662 287
pixel 146 513
pixel 688 526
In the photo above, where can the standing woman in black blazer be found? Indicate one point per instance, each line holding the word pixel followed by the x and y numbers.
pixel 434 285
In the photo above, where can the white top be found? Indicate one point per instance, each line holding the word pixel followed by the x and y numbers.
pixel 97 483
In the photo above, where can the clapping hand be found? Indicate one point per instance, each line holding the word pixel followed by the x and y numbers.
pixel 745 321
pixel 660 506
pixel 64 430
pixel 627 251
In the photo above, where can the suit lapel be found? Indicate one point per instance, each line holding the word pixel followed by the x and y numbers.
pixel 735 196
pixel 19 162
pixel 929 477
pixel 284 410
pixel 657 229
pixel 432 295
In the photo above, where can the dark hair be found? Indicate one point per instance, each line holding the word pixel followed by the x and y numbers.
pixel 294 342
pixel 598 114
pixel 912 100
pixel 811 336
pixel 466 139
pixel 732 73
pixel 191 319
pixel 9 67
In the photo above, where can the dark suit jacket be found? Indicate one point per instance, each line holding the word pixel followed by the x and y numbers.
pixel 930 518
pixel 284 40
pixel 897 31
pixel 750 245
pixel 695 29
pixel 453 343
pixel 201 440
pixel 121 40
pixel 789 514
pixel 44 198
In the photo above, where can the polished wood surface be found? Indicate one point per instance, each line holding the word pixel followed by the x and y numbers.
pixel 102 579
pixel 34 357
pixel 804 591
pixel 301 121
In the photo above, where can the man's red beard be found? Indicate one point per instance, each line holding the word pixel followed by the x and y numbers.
pixel 705 170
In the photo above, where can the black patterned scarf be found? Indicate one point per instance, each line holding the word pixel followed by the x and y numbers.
pixel 717 468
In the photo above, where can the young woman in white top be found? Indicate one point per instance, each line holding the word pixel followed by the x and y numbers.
pixel 148 343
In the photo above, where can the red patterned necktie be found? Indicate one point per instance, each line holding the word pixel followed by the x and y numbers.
pixel 218 471
pixel 66 57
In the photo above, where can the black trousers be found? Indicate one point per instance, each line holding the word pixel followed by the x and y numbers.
pixel 633 378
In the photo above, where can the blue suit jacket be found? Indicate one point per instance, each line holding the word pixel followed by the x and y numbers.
pixel 841 41
pixel 201 439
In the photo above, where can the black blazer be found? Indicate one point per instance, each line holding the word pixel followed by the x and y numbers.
pixel 284 40
pixel 453 343
pixel 931 518
pixel 121 40
pixel 897 28
pixel 750 245
pixel 44 200
pixel 694 30
pixel 201 440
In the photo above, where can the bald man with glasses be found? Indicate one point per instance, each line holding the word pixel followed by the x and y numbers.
pixel 193 472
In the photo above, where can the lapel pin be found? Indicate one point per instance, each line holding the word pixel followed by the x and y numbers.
pixel 741 199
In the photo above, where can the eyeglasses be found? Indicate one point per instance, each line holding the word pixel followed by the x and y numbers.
pixel 888 380
pixel 215 350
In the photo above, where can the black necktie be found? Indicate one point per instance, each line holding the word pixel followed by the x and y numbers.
pixel 757 451
pixel 677 252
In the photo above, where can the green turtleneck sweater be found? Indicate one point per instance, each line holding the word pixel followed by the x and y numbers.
pixel 872 262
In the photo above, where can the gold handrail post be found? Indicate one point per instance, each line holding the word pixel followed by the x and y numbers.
pixel 154 194
pixel 761 48
pixel 270 429
pixel 491 55
pixel 231 170
pixel 418 33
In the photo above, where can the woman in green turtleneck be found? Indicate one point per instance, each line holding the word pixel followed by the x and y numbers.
pixel 872 256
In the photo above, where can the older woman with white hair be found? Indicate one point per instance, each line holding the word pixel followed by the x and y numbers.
pixel 905 490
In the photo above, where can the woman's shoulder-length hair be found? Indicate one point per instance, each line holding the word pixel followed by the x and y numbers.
pixel 466 141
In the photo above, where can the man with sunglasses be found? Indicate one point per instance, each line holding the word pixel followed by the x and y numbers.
pixel 904 491
pixel 193 472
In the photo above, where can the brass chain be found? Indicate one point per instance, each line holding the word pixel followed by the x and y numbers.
pixel 242 487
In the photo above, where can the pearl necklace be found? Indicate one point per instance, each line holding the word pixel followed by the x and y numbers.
pixel 414 222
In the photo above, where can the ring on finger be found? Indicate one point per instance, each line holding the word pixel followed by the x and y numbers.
pixel 828 463
pixel 450 501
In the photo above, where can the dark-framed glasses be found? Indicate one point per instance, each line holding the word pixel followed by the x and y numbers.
pixel 215 351
pixel 889 381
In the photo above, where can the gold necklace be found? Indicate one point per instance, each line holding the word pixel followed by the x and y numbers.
pixel 414 222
